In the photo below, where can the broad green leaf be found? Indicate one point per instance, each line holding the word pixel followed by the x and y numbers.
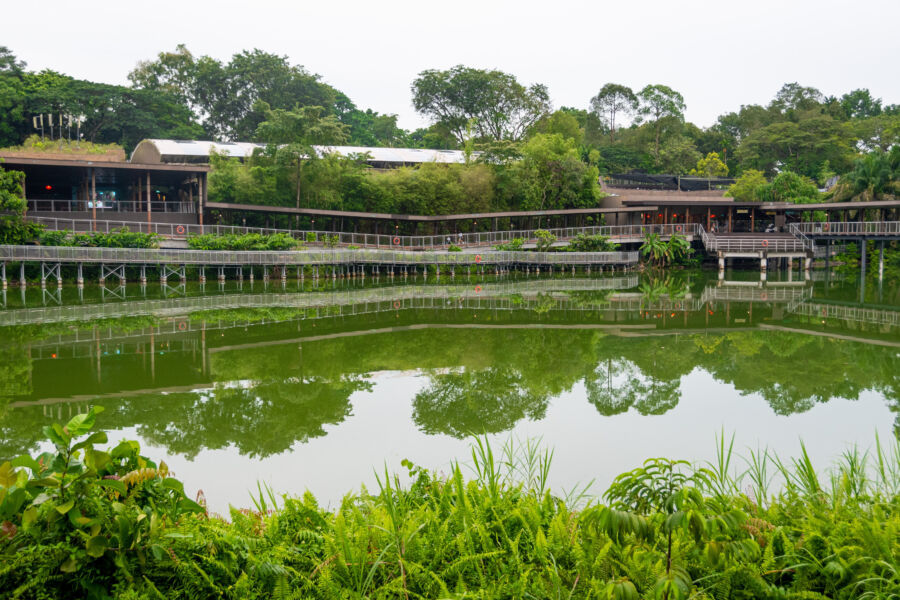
pixel 8 476
pixel 113 484
pixel 188 505
pixel 125 448
pixel 98 437
pixel 27 462
pixel 66 507
pixel 96 459
pixel 62 434
pixel 96 546
pixel 69 566
pixel 82 423
pixel 173 484
pixel 45 482
pixel 58 440
pixel 29 516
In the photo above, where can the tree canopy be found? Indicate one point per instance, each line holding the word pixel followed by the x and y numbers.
pixel 493 103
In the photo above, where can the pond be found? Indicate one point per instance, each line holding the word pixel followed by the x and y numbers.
pixel 317 385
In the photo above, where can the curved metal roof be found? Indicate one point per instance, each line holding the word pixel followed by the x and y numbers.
pixel 188 151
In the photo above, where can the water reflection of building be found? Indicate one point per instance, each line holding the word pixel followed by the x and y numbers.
pixel 175 353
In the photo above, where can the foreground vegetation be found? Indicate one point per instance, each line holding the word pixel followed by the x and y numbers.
pixel 82 522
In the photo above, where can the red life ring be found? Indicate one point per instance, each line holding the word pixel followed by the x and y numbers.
pixel 825 227
pixel 764 296
pixel 396 304
pixel 182 325
pixel 396 241
pixel 765 243
pixel 179 230
pixel 477 289
pixel 477 258
pixel 678 228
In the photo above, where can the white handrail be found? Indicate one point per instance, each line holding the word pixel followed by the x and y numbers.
pixel 158 256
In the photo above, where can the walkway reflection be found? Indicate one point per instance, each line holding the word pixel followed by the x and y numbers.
pixel 266 371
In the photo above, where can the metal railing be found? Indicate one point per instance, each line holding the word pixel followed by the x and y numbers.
pixel 808 244
pixel 754 244
pixel 407 295
pixel 105 206
pixel 848 228
pixel 849 313
pixel 159 256
pixel 707 239
pixel 372 240
pixel 757 293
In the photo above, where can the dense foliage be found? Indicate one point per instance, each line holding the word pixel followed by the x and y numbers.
pixel 521 153
pixel 14 229
pixel 120 238
pixel 79 520
pixel 549 175
pixel 248 241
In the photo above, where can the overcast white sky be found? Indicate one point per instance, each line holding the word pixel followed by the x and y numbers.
pixel 719 55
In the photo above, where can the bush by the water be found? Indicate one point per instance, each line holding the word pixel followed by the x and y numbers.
pixel 249 241
pixel 119 238
pixel 80 522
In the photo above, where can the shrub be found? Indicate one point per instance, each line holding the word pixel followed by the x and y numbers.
pixel 249 241
pixel 512 245
pixel 591 243
pixel 454 248
pixel 121 238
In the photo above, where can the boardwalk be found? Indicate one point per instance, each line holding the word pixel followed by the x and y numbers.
pixel 617 233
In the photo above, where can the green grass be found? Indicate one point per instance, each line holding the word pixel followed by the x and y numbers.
pixel 490 528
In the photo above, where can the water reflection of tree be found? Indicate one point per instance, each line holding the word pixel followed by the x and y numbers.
pixel 261 419
pixel 617 385
pixel 461 403
pixel 258 418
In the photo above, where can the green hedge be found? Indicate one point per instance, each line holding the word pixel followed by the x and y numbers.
pixel 121 238
pixel 249 241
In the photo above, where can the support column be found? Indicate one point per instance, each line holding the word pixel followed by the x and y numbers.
pixel 862 270
pixel 881 260
pixel 201 194
pixel 93 200
pixel 149 209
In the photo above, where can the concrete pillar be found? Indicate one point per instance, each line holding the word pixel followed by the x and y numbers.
pixel 80 278
pixel 881 260
pixel 762 263
pixel 149 208
pixel 22 274
pixel 93 201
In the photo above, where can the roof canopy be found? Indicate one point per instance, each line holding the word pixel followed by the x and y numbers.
pixel 186 151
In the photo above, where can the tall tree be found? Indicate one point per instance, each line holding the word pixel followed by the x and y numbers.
pixel 611 101
pixel 495 104
pixel 659 102
pixel 291 134
pixel 222 96
pixel 859 104
pixel 793 98
pixel 12 98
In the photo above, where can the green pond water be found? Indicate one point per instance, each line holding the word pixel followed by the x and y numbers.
pixel 316 385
